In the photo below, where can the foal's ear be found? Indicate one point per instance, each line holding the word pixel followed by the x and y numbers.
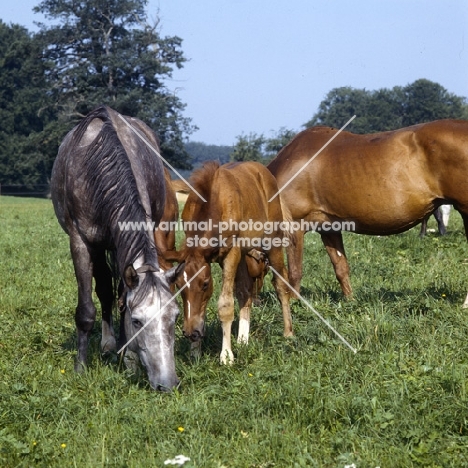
pixel 130 277
pixel 173 274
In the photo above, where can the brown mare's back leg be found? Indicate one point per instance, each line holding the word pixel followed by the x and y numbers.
pixel 226 302
pixel 275 256
pixel 465 224
pixel 244 293
pixel 334 244
pixel 423 230
pixel 295 252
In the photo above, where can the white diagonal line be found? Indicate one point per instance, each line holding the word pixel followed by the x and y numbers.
pixel 314 311
pixel 187 283
pixel 145 140
pixel 312 158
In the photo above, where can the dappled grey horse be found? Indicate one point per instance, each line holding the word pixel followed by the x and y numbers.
pixel 105 176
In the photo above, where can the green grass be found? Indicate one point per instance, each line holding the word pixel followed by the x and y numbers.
pixel 401 401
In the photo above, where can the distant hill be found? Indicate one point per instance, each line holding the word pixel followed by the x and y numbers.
pixel 201 152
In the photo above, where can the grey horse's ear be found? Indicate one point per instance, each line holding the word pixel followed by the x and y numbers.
pixel 172 274
pixel 130 277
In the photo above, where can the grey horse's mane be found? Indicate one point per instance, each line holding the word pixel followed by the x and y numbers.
pixel 112 188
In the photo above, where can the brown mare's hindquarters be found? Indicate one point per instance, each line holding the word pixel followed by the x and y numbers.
pixel 382 183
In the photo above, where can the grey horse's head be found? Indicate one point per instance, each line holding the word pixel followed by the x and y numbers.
pixel 150 315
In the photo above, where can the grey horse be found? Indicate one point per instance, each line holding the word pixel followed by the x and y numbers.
pixel 108 192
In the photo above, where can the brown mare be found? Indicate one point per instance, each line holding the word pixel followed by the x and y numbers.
pixel 235 193
pixel 385 183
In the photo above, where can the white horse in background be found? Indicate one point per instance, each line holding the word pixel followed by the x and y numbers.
pixel 442 215
pixel 446 213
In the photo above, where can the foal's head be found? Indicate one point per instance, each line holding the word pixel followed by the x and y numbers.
pixel 195 295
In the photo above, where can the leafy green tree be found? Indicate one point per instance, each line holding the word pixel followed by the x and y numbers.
pixel 255 147
pixel 248 148
pixel 425 101
pixel 105 52
pixel 388 109
pixel 339 105
pixel 383 111
pixel 23 99
pixel 275 144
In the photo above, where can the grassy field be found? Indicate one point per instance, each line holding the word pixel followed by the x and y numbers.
pixel 401 401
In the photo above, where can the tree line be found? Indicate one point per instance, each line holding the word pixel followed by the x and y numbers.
pixel 99 52
pixel 94 52
pixel 376 111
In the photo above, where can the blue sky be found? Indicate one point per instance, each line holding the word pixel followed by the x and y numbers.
pixel 256 66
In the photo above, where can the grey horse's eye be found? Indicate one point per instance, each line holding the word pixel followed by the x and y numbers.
pixel 137 324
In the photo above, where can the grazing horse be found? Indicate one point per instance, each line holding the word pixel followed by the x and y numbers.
pixel 235 193
pixel 441 214
pixel 256 261
pixel 104 177
pixel 380 184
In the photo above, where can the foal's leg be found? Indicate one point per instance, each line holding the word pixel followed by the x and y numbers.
pixel 333 242
pixel 105 292
pixel 295 252
pixel 275 256
pixel 226 302
pixel 85 314
pixel 244 294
